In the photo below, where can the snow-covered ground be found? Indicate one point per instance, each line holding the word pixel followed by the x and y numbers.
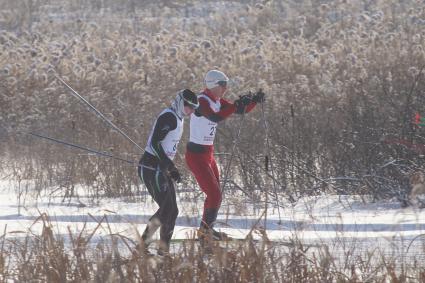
pixel 340 222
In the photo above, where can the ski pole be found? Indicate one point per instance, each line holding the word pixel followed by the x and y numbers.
pixel 299 167
pixel 75 94
pixel 100 153
pixel 252 159
pixel 235 141
pixel 268 160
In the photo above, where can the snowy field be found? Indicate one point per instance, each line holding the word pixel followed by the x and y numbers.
pixel 343 224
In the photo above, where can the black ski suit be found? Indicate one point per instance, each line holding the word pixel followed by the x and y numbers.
pixel 153 171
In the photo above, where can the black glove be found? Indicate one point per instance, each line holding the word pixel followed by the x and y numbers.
pixel 242 102
pixel 245 99
pixel 259 97
pixel 175 174
pixel 165 165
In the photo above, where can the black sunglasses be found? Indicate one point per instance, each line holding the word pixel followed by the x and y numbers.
pixel 222 83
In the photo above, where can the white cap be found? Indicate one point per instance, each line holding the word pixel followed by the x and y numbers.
pixel 213 77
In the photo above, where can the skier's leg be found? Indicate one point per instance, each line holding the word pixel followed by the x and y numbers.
pixel 151 179
pixel 168 215
pixel 215 169
pixel 204 174
pixel 214 212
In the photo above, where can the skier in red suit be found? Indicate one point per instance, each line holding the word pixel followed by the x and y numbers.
pixel 213 108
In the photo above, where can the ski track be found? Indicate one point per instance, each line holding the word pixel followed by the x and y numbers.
pixel 340 222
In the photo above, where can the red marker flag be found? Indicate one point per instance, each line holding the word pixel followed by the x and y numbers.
pixel 419 121
pixel 417 118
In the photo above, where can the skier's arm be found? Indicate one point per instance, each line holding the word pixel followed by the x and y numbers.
pixel 165 123
pixel 238 110
pixel 206 111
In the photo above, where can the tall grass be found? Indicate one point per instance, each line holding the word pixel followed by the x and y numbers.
pixel 49 257
pixel 342 78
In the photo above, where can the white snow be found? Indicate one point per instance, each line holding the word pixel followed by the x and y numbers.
pixel 329 219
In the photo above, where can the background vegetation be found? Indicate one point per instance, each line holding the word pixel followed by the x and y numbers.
pixel 343 82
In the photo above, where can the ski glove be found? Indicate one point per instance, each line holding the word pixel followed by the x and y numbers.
pixel 242 102
pixel 175 174
pixel 246 99
pixel 166 164
pixel 259 97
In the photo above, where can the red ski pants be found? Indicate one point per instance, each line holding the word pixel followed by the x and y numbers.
pixel 204 168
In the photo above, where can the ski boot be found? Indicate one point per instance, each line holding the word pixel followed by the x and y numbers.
pixel 151 227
